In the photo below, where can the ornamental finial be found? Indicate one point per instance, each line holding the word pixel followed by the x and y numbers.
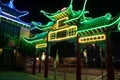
pixel 10 4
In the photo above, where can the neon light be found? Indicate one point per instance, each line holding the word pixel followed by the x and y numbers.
pixel 25 13
pixel 64 25
pixel 119 26
pixel 15 21
pixel 38 40
pixel 95 38
pixel 70 32
pixel 42 27
pixel 43 45
pixel 9 14
pixel 104 26
pixel 58 22
pixel 0 10
pixel 10 4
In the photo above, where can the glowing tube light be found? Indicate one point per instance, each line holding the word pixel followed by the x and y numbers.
pixel 119 26
pixel 14 20
pixel 9 14
pixel 63 34
pixel 43 45
pixel 95 38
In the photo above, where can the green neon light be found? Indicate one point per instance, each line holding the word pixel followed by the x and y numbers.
pixel 38 36
pixel 103 26
pixel 51 16
pixel 80 15
pixel 119 26
pixel 42 27
pixel 62 20
pixel 33 41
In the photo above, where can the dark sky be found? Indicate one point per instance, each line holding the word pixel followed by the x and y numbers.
pixel 95 7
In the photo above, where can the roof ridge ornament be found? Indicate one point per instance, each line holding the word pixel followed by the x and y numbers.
pixel 10 4
pixel 82 13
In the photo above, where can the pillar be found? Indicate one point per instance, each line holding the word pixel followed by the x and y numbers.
pixel 109 64
pixel 46 60
pixel 34 63
pixel 78 66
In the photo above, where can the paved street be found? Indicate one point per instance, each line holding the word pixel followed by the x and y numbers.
pixel 38 76
pixel 92 74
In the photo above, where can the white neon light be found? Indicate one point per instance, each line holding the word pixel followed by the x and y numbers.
pixel 15 21
pixel 9 14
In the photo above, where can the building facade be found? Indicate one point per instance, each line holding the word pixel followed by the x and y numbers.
pixel 11 30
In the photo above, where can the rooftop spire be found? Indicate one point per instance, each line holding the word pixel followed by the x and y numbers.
pixel 10 4
pixel 71 3
pixel 83 10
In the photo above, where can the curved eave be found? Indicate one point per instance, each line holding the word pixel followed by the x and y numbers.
pixel 13 11
pixel 42 27
pixel 10 20
pixel 98 29
pixel 33 42
pixel 59 14
pixel 92 23
pixel 76 17
pixel 38 36
pixel 79 16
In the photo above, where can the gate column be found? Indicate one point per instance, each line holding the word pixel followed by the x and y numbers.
pixel 78 66
pixel 109 64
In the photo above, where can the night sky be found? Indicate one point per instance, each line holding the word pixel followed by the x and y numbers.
pixel 95 7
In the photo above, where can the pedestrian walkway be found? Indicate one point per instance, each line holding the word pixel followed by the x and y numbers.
pixel 11 75
pixel 60 75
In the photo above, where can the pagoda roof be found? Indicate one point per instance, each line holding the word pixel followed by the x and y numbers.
pixel 10 14
pixel 10 9
pixel 39 38
pixel 86 26
pixel 98 25
pixel 7 17
pixel 46 27
pixel 64 12
pixel 73 17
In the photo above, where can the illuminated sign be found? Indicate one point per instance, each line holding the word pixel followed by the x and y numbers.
pixel 43 45
pixel 95 38
pixel 62 34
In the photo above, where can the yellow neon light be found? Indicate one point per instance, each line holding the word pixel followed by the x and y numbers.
pixel 43 45
pixel 66 18
pixel 92 38
pixel 70 32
